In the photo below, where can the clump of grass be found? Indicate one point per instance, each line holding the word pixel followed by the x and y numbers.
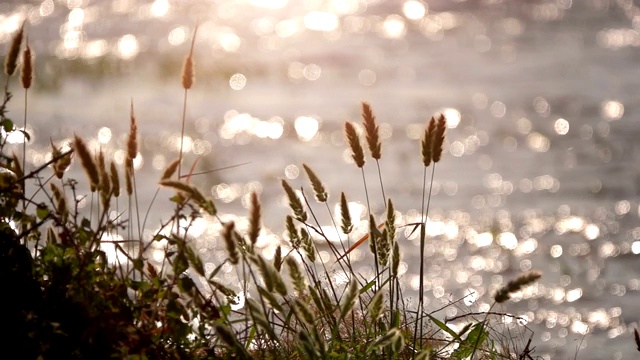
pixel 81 304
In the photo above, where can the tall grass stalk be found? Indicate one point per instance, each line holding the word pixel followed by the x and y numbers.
pixel 188 78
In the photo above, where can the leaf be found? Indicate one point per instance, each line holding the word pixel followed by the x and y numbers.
pixel 26 135
pixel 7 125
pixel 195 261
pixel 216 270
pixel 444 327
pixel 473 341
pixel 42 212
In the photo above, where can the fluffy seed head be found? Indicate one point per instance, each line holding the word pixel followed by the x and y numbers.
pixel 347 225
pixel 372 131
pixel 438 138
pixel 170 170
pixel 254 219
pixel 11 60
pixel 294 237
pixel 60 202
pixel 316 184
pixel 297 278
pixel 86 160
pixel 354 143
pixel 232 249
pixel 513 286
pixel 188 73
pixel 115 179
pixel 427 142
pixel 132 140
pixel 105 180
pixel 60 166
pixel 26 75
pixel 294 202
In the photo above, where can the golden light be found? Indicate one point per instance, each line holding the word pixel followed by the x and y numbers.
pixel 177 36
pixel 128 47
pixel 414 10
pixel 306 127
pixel 453 117
pixel 612 110
pixel 237 81
pixel 561 126
pixel 95 48
pixel 160 8
pixel 321 21
pixel 393 27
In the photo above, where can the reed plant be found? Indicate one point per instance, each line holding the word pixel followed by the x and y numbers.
pixel 70 301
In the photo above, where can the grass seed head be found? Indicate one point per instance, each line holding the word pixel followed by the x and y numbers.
pixel 232 248
pixel 188 72
pixel 132 140
pixel 254 219
pixel 316 184
pixel 26 75
pixel 297 278
pixel 513 286
pixel 354 143
pixel 86 160
pixel 372 131
pixel 438 138
pixel 11 60
pixel 347 225
pixel 294 202
pixel 170 170
pixel 426 145
pixel 115 179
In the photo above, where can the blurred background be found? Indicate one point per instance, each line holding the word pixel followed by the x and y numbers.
pixel 541 167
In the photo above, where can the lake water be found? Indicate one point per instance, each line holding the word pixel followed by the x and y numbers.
pixel 541 168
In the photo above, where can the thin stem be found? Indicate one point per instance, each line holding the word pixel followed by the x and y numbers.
pixel 24 145
pixel 424 215
pixel 184 116
pixel 384 197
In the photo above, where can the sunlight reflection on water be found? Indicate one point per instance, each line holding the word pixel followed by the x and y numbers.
pixel 543 156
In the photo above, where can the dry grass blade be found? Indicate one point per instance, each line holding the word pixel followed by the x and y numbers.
pixel 438 138
pixel 372 131
pixel 11 60
pixel 316 184
pixel 513 286
pixel 354 143
pixel 86 160
pixel 26 75
pixel 426 145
